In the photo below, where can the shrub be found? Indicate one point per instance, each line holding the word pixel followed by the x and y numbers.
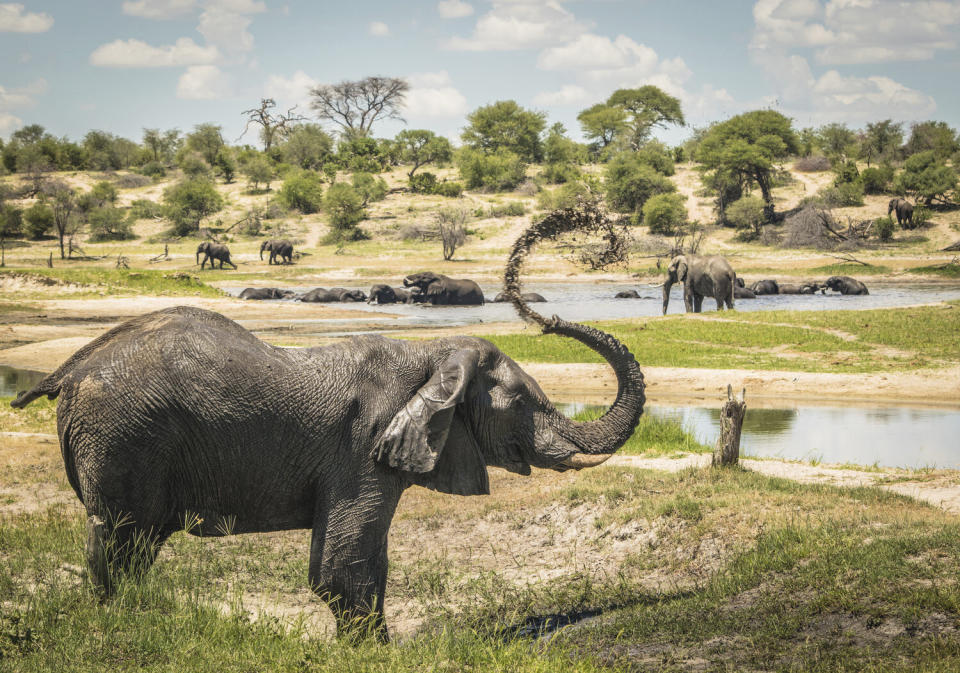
pixel 558 174
pixel 812 164
pixel 498 171
pixel 252 224
pixel 143 209
pixel 38 219
pixel 344 206
pixel 630 182
pixel 921 215
pixel 847 172
pixel 656 155
pixel 108 224
pixel 193 165
pixel 747 213
pixel 806 228
pixel 131 180
pixel 884 226
pixel 188 202
pixel 153 169
pixel 303 191
pixel 423 183
pixel 876 179
pixel 258 169
pixel 512 209
pixel 450 189
pixel 562 197
pixel 842 195
pixel 665 213
pixel 369 187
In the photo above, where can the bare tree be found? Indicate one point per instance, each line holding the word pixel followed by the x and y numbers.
pixel 453 231
pixel 355 106
pixel 270 124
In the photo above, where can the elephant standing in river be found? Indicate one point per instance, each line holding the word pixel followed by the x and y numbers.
pixel 326 438
pixel 278 248
pixel 701 276
pixel 904 210
pixel 845 285
pixel 212 252
pixel 440 290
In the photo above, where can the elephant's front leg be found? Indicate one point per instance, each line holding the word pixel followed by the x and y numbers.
pixel 697 302
pixel 348 561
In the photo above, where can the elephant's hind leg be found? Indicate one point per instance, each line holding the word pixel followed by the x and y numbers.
pixel 117 547
pixel 697 303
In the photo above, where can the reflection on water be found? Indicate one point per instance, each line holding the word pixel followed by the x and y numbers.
pixel 884 436
pixel 12 380
pixel 592 301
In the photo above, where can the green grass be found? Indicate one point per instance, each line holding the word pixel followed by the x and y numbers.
pixel 769 340
pixel 655 437
pixel 38 416
pixel 123 281
pixel 847 270
pixel 948 271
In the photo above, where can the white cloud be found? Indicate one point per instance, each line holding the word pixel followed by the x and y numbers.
pixel 593 52
pixel 224 24
pixel 379 29
pixel 454 9
pixel 9 123
pixel 432 94
pixel 569 94
pixel 137 54
pixel 294 90
pixel 21 97
pixel 158 9
pixel 203 82
pixel 13 20
pixel 520 24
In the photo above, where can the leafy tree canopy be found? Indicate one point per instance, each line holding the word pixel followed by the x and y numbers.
pixel 504 125
pixel 421 147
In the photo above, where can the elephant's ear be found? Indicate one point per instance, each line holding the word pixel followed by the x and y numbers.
pixel 682 270
pixel 429 437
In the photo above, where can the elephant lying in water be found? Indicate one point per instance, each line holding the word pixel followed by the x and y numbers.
pixel 322 438
pixel 384 294
pixel 529 297
pixel 762 287
pixel 441 290
pixel 627 294
pixel 266 293
pixel 320 295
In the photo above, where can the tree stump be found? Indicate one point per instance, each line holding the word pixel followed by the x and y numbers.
pixel 727 450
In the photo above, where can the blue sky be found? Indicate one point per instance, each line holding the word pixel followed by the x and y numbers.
pixel 123 65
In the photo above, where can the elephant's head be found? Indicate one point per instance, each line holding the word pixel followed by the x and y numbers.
pixel 676 273
pixel 894 203
pixel 421 280
pixel 203 247
pixel 382 294
pixel 353 295
pixel 266 245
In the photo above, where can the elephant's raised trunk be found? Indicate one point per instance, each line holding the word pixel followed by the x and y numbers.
pixel 595 440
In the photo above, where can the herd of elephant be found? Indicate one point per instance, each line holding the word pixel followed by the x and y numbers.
pixel 418 288
pixel 281 252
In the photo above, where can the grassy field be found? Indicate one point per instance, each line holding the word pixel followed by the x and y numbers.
pixel 99 282
pixel 810 341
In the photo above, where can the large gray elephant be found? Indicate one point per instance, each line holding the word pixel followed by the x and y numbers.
pixel 529 297
pixel 278 248
pixel 761 287
pixel 845 285
pixel 324 438
pixel 441 290
pixel 381 293
pixel 266 293
pixel 341 294
pixel 702 276
pixel 798 288
pixel 213 252
pixel 904 210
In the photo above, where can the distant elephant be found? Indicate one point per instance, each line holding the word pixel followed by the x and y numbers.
pixel 798 288
pixel 904 211
pixel 529 297
pixel 702 276
pixel 761 287
pixel 345 295
pixel 278 248
pixel 266 293
pixel 845 285
pixel 440 290
pixel 384 294
pixel 319 295
pixel 740 292
pixel 214 251
pixel 182 419
pixel 627 294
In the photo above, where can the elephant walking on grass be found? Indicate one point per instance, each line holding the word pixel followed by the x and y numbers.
pixel 323 438
pixel 904 210
pixel 214 252
pixel 278 248
pixel 702 276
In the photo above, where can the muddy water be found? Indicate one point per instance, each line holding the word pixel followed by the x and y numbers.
pixel 882 436
pixel 591 301
pixel 12 380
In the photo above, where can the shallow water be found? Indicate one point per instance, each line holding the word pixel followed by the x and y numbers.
pixel 13 380
pixel 883 436
pixel 591 301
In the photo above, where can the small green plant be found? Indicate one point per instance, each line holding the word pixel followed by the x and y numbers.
pixel 344 206
pixel 108 224
pixel 884 226
pixel 38 219
pixel 512 209
pixel 423 183
pixel 303 190
pixel 448 189
pixel 665 214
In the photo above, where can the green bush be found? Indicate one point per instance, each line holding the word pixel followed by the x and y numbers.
pixel 108 224
pixel 561 173
pixel 665 213
pixel 845 194
pixel 259 170
pixel 344 206
pixel 512 209
pixel 876 179
pixel 143 209
pixel 193 165
pixel 746 213
pixel 656 155
pixel 884 226
pixel 38 219
pixel 630 182
pixel 153 169
pixel 423 183
pixel 188 202
pixel 921 215
pixel 369 187
pixel 498 171
pixel 846 173
pixel 303 191
pixel 450 189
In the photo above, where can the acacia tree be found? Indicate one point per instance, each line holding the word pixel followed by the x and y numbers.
pixel 164 145
pixel 355 106
pixel 270 124
pixel 63 202
pixel 646 108
pixel 602 122
pixel 747 149
pixel 881 139
pixel 504 125
pixel 421 147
